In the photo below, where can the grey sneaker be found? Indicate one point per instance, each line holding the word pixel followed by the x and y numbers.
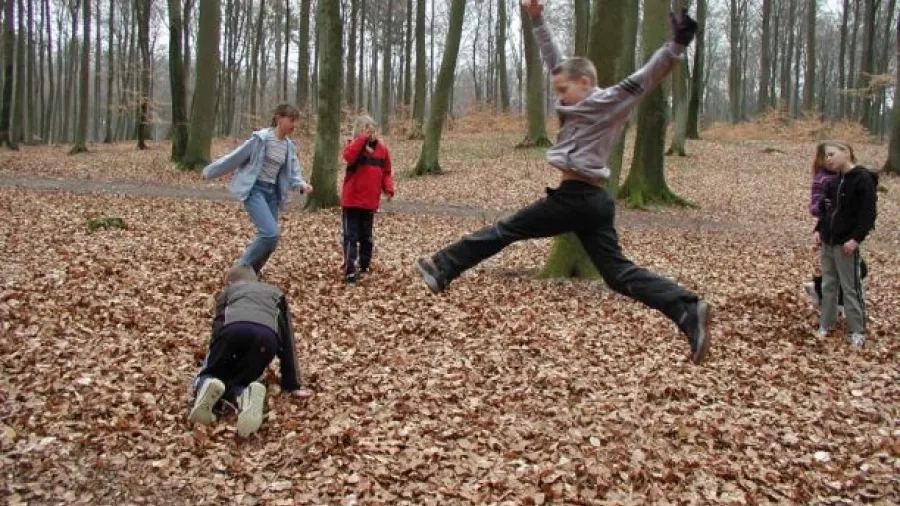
pixel 697 330
pixel 250 405
pixel 431 275
pixel 857 340
pixel 208 395
pixel 821 333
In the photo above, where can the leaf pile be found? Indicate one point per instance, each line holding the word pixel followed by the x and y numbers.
pixel 504 390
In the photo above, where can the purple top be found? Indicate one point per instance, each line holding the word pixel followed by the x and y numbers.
pixel 820 180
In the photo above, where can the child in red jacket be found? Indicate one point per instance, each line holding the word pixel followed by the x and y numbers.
pixel 368 175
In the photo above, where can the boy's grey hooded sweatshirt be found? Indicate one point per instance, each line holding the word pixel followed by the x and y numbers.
pixel 589 128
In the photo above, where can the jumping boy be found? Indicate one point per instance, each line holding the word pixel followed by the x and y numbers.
pixel 591 119
pixel 251 326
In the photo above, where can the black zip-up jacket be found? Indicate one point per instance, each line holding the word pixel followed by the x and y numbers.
pixel 286 350
pixel 849 208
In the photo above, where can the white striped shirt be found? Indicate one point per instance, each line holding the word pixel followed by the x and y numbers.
pixel 276 154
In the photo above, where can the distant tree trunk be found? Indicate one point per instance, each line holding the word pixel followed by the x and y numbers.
pixel 31 117
pixel 852 78
pixel 418 116
pixel 582 14
pixel 85 81
pixel 809 79
pixel 867 64
pixel 842 73
pixel 428 158
pixel 386 68
pixel 502 76
pixel 176 83
pixel 734 63
pixel 142 10
pixel 646 183
pixel 203 110
pixel 765 57
pixel 287 50
pixel 407 59
pixel 892 165
pixel 18 121
pixel 680 92
pixel 350 87
pixel 537 119
pixel 303 58
pixel 325 162
pixel 360 94
pixel 693 123
pixel 254 60
pixel 108 136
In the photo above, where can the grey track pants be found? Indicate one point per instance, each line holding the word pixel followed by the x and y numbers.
pixel 843 271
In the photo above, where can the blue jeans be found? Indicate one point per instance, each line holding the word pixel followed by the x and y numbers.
pixel 262 207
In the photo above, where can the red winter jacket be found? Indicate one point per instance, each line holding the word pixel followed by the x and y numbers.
pixel 368 174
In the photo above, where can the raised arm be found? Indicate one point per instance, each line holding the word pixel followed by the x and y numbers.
pixel 549 50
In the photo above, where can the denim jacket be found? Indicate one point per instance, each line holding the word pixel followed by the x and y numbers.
pixel 247 161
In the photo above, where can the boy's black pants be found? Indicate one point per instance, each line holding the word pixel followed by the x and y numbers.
pixel 358 242
pixel 589 211
pixel 239 356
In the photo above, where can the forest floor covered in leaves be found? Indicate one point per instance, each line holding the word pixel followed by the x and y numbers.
pixel 504 390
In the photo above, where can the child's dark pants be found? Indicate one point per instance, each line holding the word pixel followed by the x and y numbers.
pixel 239 356
pixel 589 211
pixel 358 242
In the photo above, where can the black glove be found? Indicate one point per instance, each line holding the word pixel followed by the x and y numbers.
pixel 683 27
pixel 372 142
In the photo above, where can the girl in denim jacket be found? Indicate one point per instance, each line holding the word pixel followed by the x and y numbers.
pixel 265 167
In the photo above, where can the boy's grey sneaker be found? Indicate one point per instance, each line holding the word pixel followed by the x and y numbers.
pixel 250 405
pixel 857 340
pixel 431 275
pixel 208 395
pixel 697 329
pixel 821 333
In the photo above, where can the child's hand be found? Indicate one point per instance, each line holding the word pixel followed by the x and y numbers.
pixel 389 196
pixel 533 7
pixel 306 189
pixel 850 246
pixel 818 239
pixel 683 27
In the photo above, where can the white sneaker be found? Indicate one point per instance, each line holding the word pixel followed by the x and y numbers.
pixel 821 333
pixel 841 312
pixel 814 299
pixel 250 408
pixel 208 395
pixel 857 339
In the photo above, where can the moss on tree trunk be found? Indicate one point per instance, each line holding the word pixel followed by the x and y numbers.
pixel 568 259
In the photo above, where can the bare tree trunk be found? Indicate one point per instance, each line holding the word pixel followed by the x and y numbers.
pixel 852 81
pixel 407 59
pixel 142 10
pixel 287 50
pixel 765 57
pixel 360 94
pixel 693 123
pixel 428 157
pixel 108 136
pixel 19 113
pixel 303 61
pixel 31 115
pixel 502 74
pixel 386 68
pixel 809 79
pixel 203 111
pixel 85 81
pixel 734 63
pixel 254 60
pixel 176 83
pixel 582 14
pixel 842 74
pixel 325 163
pixel 867 64
pixel 418 116
pixel 892 165
pixel 9 48
pixel 350 87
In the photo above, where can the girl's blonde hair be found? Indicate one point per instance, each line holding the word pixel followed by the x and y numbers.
pixel 362 122
pixel 819 160
pixel 284 110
